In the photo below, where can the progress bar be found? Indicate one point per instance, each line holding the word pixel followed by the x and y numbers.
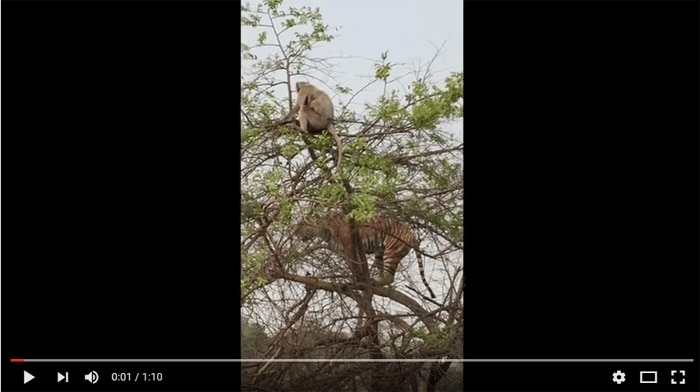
pixel 345 360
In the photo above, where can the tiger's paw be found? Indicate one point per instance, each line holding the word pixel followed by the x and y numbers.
pixel 382 280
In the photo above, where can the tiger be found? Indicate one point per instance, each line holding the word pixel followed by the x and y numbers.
pixel 388 239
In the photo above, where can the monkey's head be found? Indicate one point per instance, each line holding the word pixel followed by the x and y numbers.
pixel 301 85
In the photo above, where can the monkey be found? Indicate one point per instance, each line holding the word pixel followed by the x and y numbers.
pixel 315 108
pixel 314 111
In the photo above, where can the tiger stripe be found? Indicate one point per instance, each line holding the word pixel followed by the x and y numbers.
pixel 388 239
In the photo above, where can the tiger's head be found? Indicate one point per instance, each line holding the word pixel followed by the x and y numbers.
pixel 304 232
pixel 314 225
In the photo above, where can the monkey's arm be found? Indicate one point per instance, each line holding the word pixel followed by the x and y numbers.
pixel 289 117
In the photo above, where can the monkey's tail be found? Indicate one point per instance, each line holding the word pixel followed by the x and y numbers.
pixel 331 130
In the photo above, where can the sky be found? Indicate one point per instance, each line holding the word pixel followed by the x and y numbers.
pixel 410 30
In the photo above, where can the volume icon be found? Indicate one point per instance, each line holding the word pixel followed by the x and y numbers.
pixel 92 377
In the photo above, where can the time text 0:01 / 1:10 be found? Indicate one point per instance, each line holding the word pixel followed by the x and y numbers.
pixel 135 377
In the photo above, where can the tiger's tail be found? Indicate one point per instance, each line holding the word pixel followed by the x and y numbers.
pixel 422 272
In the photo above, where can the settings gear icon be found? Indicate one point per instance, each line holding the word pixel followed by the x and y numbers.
pixel 618 377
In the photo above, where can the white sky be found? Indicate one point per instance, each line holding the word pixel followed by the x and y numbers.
pixel 410 30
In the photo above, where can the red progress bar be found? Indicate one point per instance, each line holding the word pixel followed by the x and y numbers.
pixel 16 359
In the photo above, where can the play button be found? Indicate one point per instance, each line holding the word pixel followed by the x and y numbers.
pixel 27 377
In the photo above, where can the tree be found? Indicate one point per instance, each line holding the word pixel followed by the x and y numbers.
pixel 253 339
pixel 398 160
